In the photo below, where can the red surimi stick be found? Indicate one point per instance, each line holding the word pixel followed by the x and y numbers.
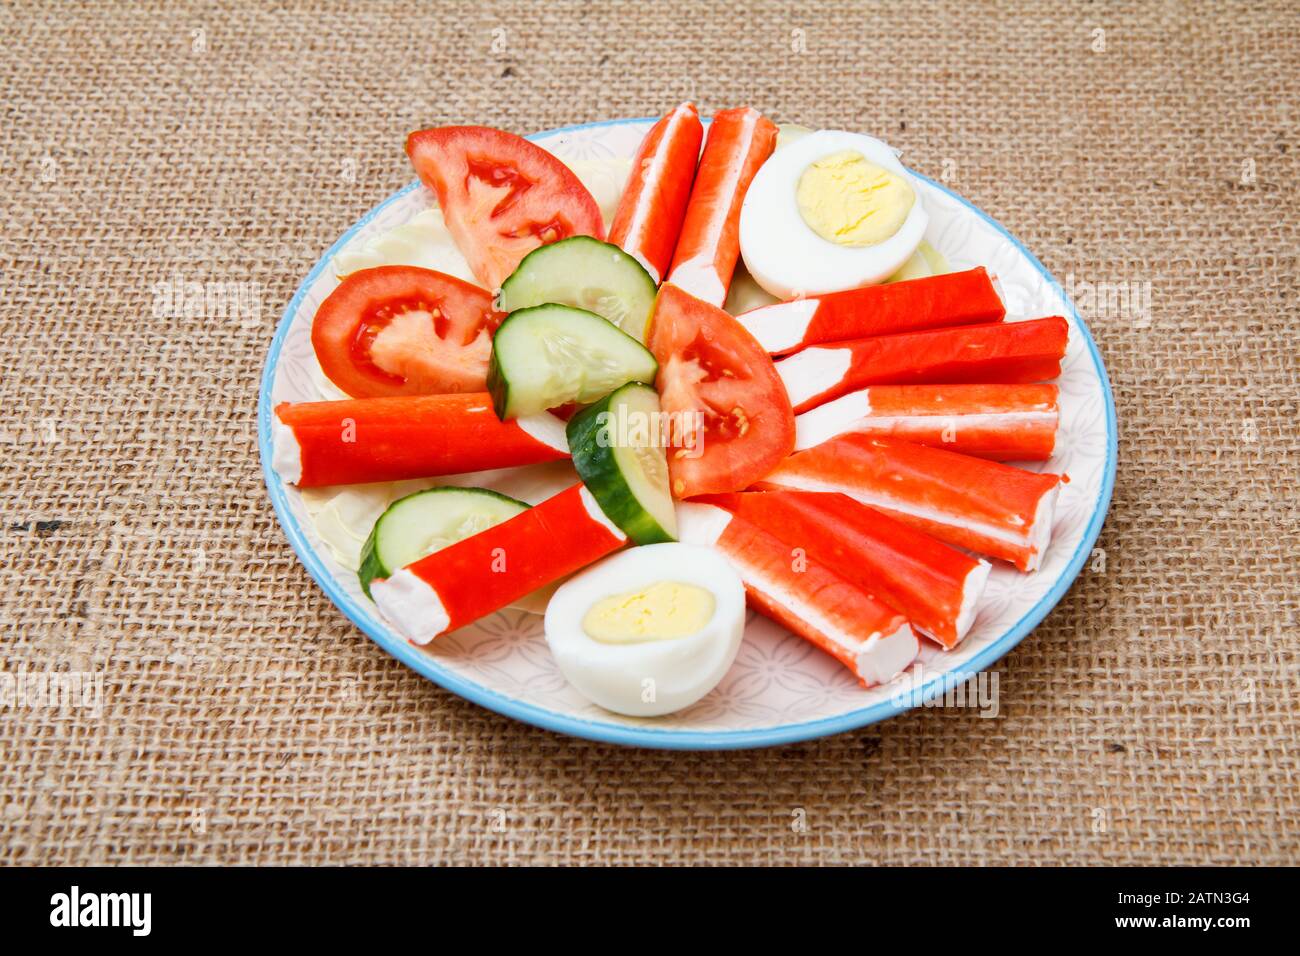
pixel 417 436
pixel 955 298
pixel 864 634
pixel 487 571
pixel 649 216
pixel 990 508
pixel 739 142
pixel 936 587
pixel 1003 353
pixel 998 422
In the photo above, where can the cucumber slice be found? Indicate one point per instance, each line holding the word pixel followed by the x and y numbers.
pixel 925 261
pixel 618 453
pixel 428 521
pixel 938 262
pixel 585 273
pixel 916 267
pixel 549 355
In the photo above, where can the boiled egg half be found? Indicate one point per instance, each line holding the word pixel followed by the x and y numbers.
pixel 650 630
pixel 830 211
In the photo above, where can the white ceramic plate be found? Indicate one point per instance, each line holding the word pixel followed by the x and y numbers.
pixel 780 688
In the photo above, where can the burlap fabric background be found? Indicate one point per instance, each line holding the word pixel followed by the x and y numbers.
pixel 1151 718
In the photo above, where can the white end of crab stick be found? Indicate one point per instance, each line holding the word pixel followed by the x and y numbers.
pixel 813 371
pixel 700 279
pixel 1040 532
pixel 834 418
pixel 701 524
pixel 597 514
pixel 411 606
pixel 545 428
pixel 782 326
pixel 972 590
pixel 286 453
pixel 885 656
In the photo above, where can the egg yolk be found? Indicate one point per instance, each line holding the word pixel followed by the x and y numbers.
pixel 661 612
pixel 851 202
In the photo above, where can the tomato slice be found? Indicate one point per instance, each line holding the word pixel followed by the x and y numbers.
pixel 711 365
pixel 403 330
pixel 501 195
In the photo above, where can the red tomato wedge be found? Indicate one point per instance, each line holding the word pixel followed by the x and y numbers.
pixel 501 195
pixel 403 330
pixel 710 364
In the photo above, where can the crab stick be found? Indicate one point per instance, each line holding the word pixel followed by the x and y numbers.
pixel 863 633
pixel 649 216
pixel 936 587
pixel 955 298
pixel 999 422
pixel 496 567
pixel 739 142
pixel 417 436
pixel 1002 353
pixel 994 509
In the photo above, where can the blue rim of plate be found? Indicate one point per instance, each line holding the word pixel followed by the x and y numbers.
pixel 637 736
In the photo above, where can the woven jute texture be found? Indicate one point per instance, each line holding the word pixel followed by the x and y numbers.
pixel 1148 150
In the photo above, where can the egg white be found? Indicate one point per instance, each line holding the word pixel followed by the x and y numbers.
pixel 782 252
pixel 682 669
